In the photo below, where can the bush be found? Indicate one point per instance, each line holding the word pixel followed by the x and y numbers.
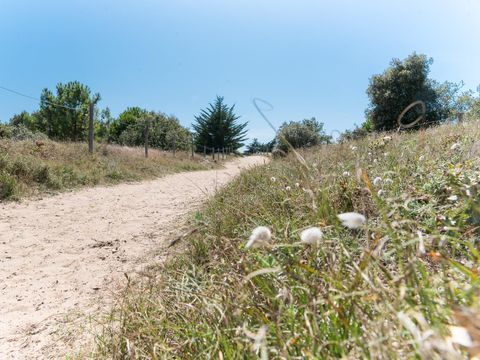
pixel 8 186
pixel 306 133
pixel 6 131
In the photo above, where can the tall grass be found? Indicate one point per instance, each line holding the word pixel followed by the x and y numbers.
pixel 33 167
pixel 391 289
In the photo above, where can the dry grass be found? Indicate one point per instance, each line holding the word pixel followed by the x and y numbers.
pixel 31 167
pixel 388 290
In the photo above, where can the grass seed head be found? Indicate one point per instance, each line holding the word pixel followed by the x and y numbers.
pixel 260 236
pixel 352 220
pixel 311 236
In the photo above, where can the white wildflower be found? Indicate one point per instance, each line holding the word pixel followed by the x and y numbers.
pixel 369 154
pixel 421 158
pixel 387 138
pixel 375 161
pixel 459 335
pixel 352 220
pixel 380 193
pixel 388 181
pixel 261 235
pixel 468 193
pixel 353 148
pixel 385 154
pixel 377 181
pixel 297 185
pixel 273 179
pixel 288 188
pixel 453 198
pixel 346 173
pixel 455 146
pixel 311 236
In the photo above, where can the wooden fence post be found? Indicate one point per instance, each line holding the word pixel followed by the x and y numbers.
pixel 90 127
pixel 193 149
pixel 147 123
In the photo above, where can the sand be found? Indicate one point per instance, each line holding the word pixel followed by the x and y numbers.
pixel 63 257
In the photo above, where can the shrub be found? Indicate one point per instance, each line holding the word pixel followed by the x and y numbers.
pixel 304 134
pixel 8 186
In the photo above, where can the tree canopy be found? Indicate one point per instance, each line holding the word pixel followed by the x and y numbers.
pixel 64 115
pixel 301 134
pixel 217 127
pixel 403 83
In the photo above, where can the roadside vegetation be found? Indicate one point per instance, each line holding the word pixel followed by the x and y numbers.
pixel 34 166
pixel 401 284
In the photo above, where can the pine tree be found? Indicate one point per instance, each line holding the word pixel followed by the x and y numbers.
pixel 217 127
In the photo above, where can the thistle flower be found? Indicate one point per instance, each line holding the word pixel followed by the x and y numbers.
pixel 297 185
pixel 455 146
pixel 273 179
pixel 260 236
pixel 421 158
pixel 346 173
pixel 377 181
pixel 311 236
pixel 288 188
pixel 388 181
pixel 380 193
pixel 352 220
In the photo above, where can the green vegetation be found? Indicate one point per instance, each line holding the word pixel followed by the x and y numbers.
pixel 388 289
pixel 32 167
pixel 306 133
pixel 64 117
pixel 217 127
pixel 257 147
pixel 164 131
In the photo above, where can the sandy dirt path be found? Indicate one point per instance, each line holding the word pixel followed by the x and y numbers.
pixel 62 255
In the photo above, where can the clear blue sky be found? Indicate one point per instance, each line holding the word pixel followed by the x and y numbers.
pixel 306 57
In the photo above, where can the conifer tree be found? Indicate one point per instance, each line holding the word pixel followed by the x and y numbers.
pixel 217 127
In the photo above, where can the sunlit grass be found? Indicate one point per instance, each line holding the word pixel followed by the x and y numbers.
pixel 386 286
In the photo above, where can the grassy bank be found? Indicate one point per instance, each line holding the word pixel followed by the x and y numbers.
pixel 391 288
pixel 33 167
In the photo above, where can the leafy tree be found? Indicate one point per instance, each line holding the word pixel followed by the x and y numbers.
pixel 217 127
pixel 127 119
pixel 129 129
pixel 307 133
pixel 64 116
pixel 468 104
pixel 400 85
pixel 24 119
